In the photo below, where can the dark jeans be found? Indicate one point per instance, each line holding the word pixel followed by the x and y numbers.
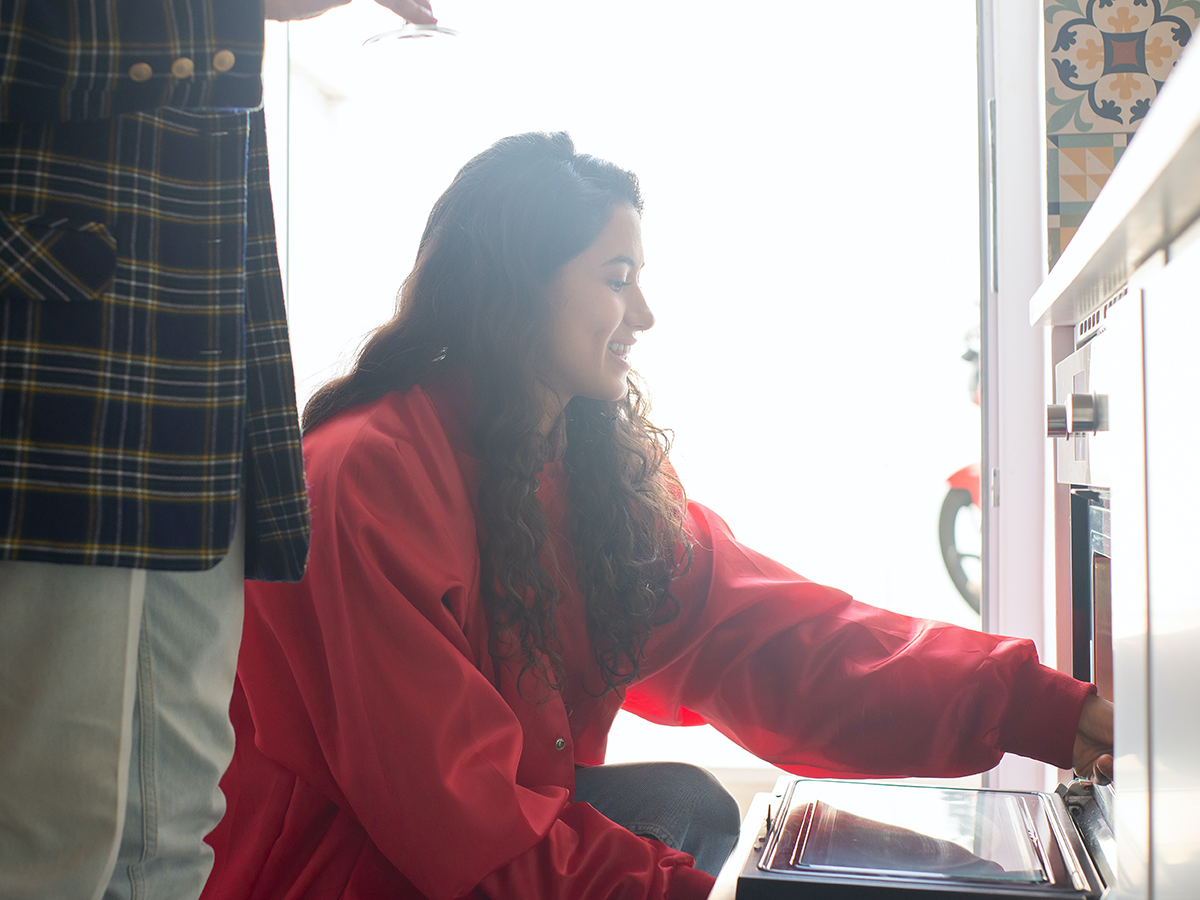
pixel 682 805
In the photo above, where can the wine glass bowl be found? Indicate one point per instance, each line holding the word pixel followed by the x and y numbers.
pixel 411 30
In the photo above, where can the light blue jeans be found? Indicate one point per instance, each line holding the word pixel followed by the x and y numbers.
pixel 114 726
pixel 682 805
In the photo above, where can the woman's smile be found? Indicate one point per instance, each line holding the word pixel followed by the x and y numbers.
pixel 621 351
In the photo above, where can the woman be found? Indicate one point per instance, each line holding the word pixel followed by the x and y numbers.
pixel 502 558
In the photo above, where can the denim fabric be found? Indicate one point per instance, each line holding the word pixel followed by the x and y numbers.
pixel 682 805
pixel 114 726
pixel 182 736
pixel 68 651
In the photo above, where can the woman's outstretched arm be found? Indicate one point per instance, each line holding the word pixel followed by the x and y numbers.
pixel 811 680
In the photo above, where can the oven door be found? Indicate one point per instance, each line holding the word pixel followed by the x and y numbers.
pixel 815 839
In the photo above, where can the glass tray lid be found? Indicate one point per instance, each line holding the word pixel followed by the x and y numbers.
pixel 919 833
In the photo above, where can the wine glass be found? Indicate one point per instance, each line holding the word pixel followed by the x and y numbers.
pixel 411 30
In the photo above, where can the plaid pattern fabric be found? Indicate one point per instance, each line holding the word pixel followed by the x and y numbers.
pixel 273 478
pixel 145 378
pixel 69 60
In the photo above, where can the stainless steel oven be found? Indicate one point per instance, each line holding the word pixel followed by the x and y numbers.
pixel 1079 421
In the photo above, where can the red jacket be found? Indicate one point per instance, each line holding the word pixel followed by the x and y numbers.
pixel 382 753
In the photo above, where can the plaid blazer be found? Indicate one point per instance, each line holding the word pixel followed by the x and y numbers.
pixel 145 376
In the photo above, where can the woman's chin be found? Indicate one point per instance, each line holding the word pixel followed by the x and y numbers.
pixel 610 394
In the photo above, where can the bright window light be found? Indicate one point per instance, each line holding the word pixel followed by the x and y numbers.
pixel 811 234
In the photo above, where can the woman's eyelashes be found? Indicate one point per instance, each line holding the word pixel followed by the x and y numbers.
pixel 617 285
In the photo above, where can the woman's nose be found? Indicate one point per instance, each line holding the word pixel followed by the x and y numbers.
pixel 638 314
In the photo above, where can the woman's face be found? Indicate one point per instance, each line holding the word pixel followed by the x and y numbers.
pixel 598 309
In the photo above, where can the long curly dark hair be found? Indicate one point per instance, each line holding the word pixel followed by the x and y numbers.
pixel 476 301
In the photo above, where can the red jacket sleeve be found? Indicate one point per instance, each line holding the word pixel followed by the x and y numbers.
pixel 809 679
pixel 367 680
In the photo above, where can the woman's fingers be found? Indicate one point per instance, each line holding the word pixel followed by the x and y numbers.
pixel 412 10
pixel 418 11
pixel 1092 754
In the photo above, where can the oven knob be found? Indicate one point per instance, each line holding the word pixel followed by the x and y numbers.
pixel 1056 421
pixel 1087 413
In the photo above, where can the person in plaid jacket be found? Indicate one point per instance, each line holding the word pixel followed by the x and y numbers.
pixel 149 442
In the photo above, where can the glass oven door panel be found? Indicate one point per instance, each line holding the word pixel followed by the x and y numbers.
pixel 1102 643
pixel 842 839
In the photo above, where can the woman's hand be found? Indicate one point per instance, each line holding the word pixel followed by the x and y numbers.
pixel 1092 756
pixel 418 11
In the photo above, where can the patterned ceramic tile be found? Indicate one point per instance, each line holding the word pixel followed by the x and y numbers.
pixel 1105 63
pixel 1107 59
pixel 1077 166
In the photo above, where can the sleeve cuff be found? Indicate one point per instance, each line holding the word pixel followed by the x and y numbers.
pixel 689 883
pixel 1043 714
